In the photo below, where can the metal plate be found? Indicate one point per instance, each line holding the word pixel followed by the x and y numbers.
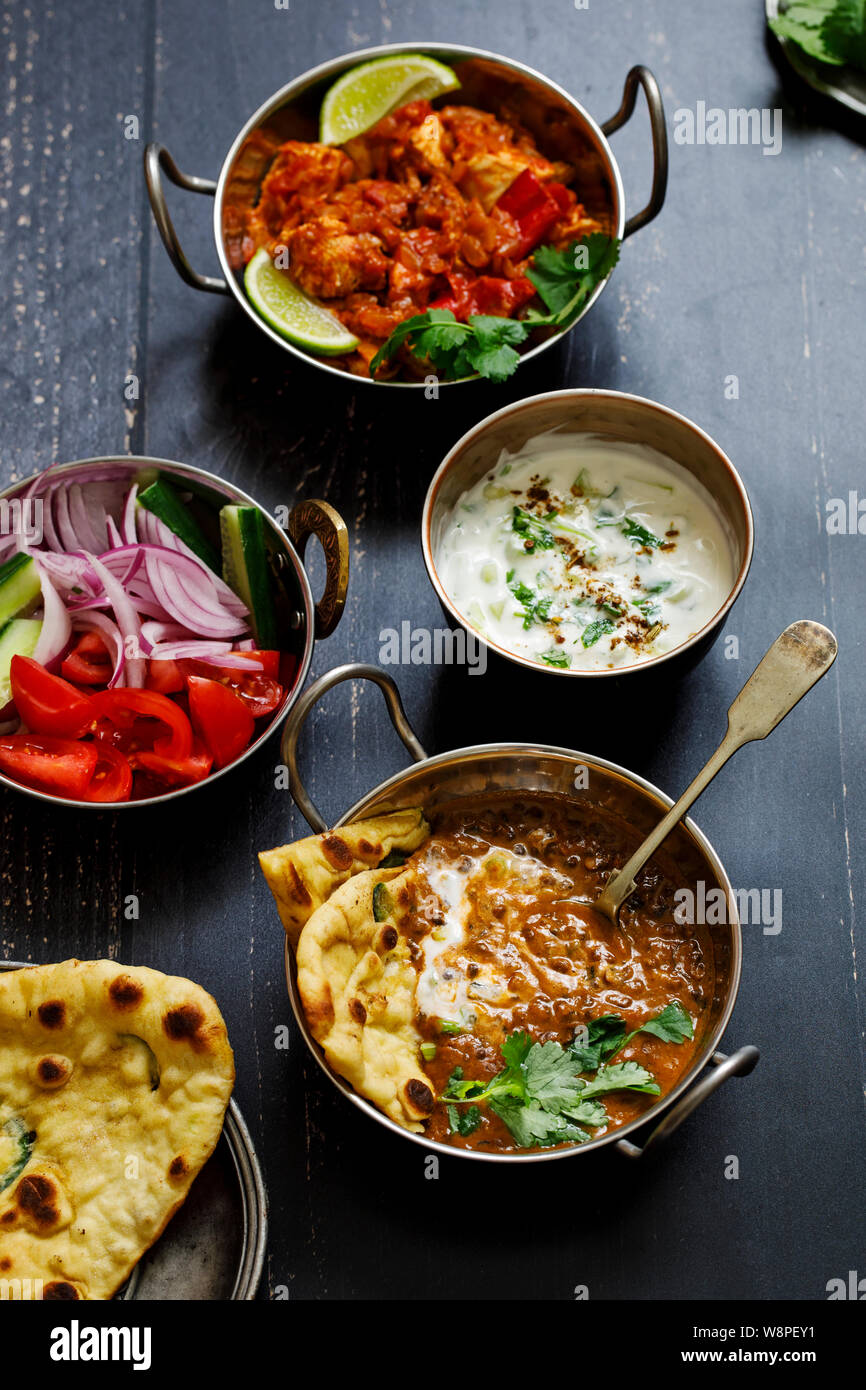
pixel 214 1248
pixel 845 85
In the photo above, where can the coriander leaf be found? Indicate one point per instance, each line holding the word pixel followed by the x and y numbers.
pixel 593 631
pixel 605 1036
pixel 464 1122
pixel 565 279
pixel 555 657
pixel 802 23
pixel 435 333
pixel 535 534
pixel 622 1076
pixel 673 1025
pixel 490 352
pixel 551 1079
pixel 843 33
pixel 633 531
pixel 515 1049
pixel 533 1127
pixel 587 1112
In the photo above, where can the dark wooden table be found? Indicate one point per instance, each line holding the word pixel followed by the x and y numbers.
pixel 754 270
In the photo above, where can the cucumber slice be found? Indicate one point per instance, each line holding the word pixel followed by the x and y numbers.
pixel 164 501
pixel 20 589
pixel 18 638
pixel 245 569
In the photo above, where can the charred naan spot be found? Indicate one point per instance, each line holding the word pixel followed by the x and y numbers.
pixel 357 1010
pixel 36 1195
pixel 419 1096
pixel 5 1263
pixel 370 851
pixel 59 1291
pixel 183 1023
pixel 52 1013
pixel 297 888
pixel 388 938
pixel 337 852
pixel 125 993
pixel 404 897
pixel 178 1167
pixel 8 1218
pixel 53 1071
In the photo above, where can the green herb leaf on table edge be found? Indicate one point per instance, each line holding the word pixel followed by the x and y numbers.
pixel 832 31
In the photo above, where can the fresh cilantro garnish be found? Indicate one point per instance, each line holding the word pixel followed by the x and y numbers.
pixel 671 1025
pixel 486 343
pixel 535 534
pixel 464 1122
pixel 622 1076
pixel 633 531
pixel 534 610
pixel 833 31
pixel 593 631
pixel 556 657
pixel 608 1035
pixel 534 1127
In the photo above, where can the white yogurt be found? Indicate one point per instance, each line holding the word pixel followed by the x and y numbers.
pixel 583 553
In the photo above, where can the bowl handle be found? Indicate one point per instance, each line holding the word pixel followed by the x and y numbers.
pixel 157 158
pixel 320 519
pixel 740 1063
pixel 641 76
pixel 297 718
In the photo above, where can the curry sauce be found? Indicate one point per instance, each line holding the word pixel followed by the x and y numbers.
pixel 504 942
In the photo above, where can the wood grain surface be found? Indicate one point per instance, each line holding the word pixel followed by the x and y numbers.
pixel 754 269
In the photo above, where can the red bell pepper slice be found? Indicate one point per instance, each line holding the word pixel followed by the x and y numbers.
pixel 62 766
pixel 47 703
pixel 533 208
pixel 121 707
pixel 220 718
pixel 112 779
pixel 485 294
pixel 89 662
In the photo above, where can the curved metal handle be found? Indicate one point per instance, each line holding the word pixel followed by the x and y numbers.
pixel 739 1063
pixel 642 77
pixel 356 670
pixel 320 519
pixel 157 158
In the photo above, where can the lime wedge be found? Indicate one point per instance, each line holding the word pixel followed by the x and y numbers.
pixel 363 95
pixel 291 312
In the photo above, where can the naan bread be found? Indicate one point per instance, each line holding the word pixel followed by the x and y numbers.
pixel 303 875
pixel 114 1080
pixel 357 985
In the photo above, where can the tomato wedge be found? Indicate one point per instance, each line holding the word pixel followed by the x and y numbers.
pixel 112 780
pixel 122 706
pixel 89 662
pixel 48 704
pixel 260 691
pixel 221 719
pixel 164 676
pixel 63 766
pixel 177 772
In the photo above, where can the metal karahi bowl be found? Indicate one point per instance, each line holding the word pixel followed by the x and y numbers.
pixel 562 127
pixel 527 769
pixel 616 416
pixel 303 621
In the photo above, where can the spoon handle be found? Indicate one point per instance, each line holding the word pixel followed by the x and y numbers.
pixel 798 658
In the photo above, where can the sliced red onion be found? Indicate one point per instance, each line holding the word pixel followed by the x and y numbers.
pixel 56 624
pixel 211 653
pixel 115 539
pixel 88 518
pixel 186 608
pixel 63 520
pixel 127 621
pixel 167 632
pixel 111 635
pixel 128 523
pixel 155 532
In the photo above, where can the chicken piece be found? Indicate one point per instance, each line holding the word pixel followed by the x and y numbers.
pixel 488 176
pixel 425 145
pixel 315 171
pixel 327 261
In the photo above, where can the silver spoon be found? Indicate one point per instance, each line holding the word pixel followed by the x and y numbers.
pixel 798 658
